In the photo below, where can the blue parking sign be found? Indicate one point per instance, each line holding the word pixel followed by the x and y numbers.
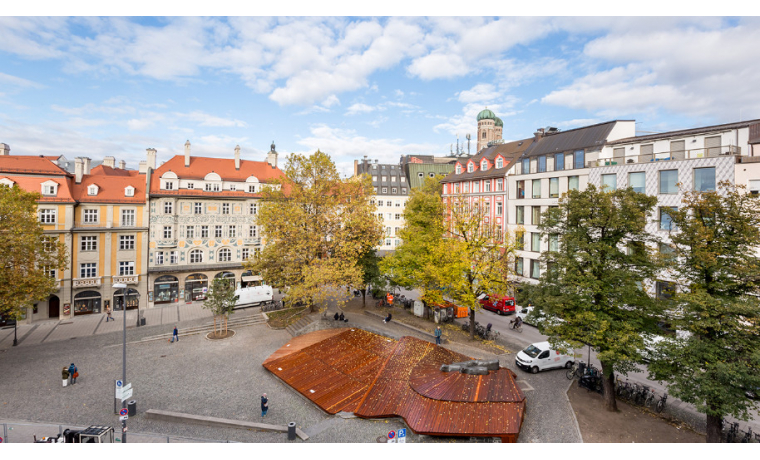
pixel 402 435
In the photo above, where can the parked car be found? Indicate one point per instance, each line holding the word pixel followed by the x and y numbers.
pixel 523 312
pixel 540 356
pixel 501 305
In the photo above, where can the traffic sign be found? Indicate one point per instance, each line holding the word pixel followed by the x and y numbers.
pixel 119 383
pixel 402 435
pixel 126 394
pixel 123 412
pixel 391 436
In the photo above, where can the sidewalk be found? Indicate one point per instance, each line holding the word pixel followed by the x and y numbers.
pixel 81 326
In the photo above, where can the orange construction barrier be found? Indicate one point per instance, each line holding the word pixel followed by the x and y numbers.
pixel 462 312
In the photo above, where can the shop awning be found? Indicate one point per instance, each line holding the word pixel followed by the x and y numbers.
pixel 248 279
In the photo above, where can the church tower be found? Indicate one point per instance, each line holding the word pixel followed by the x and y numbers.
pixel 490 128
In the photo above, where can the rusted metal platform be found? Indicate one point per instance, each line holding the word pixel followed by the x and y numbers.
pixel 353 370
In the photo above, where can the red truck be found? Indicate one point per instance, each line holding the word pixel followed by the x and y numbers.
pixel 501 305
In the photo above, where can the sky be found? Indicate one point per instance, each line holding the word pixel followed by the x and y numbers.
pixel 381 86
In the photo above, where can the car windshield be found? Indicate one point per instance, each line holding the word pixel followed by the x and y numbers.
pixel 532 351
pixel 509 303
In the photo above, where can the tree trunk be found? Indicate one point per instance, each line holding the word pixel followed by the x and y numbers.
pixel 214 324
pixel 714 432
pixel 608 385
pixel 472 324
pixel 364 298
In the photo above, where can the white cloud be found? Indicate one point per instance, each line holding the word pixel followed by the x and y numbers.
pixel 6 79
pixel 360 108
pixel 205 119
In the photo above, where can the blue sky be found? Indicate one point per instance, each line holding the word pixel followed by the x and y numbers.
pixel 354 86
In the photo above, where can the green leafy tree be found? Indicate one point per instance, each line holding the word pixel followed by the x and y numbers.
pixel 715 239
pixel 600 255
pixel 220 300
pixel 28 254
pixel 316 228
pixel 371 274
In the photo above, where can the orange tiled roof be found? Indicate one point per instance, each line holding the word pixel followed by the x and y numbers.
pixel 34 184
pixel 30 165
pixel 102 170
pixel 201 166
pixel 110 189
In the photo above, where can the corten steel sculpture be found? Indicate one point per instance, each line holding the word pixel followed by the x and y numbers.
pixel 353 370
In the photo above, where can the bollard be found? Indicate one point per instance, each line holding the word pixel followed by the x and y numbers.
pixel 291 431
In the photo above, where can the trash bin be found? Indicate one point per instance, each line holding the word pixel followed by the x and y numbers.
pixel 142 321
pixel 132 408
pixel 291 431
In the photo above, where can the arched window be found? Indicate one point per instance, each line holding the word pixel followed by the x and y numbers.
pixel 225 255
pixel 196 256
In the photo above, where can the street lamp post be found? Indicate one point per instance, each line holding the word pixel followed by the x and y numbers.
pixel 15 339
pixel 123 287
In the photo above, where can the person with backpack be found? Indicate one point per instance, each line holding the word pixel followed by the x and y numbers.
pixel 438 334
pixel 175 334
pixel 73 373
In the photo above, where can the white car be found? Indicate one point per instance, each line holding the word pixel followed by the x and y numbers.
pixel 523 312
pixel 540 356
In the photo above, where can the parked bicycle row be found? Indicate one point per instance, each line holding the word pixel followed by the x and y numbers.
pixel 642 395
pixel 486 333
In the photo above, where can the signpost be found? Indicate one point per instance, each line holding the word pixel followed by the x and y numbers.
pixel 123 415
pixel 391 436
pixel 402 435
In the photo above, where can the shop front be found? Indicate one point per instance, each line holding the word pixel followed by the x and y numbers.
pixel 132 299
pixel 249 279
pixel 87 303
pixel 196 286
pixel 229 276
pixel 166 290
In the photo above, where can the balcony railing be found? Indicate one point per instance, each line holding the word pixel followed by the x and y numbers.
pixel 712 152
pixel 251 241
pixel 87 282
pixel 126 279
pixel 166 243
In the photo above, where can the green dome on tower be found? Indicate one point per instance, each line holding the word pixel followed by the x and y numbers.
pixel 486 115
pixel 499 122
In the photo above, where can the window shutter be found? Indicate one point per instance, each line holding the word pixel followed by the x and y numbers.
pixel 712 145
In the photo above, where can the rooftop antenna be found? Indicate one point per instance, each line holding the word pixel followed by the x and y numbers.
pixel 468 143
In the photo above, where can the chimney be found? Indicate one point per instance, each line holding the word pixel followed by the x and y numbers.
pixel 109 161
pixel 187 154
pixel 5 149
pixel 237 158
pixel 272 156
pixel 356 167
pixel 86 165
pixel 143 168
pixel 538 134
pixel 78 170
pixel 122 164
pixel 151 158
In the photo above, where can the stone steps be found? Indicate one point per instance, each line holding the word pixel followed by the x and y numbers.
pixel 231 323
pixel 295 328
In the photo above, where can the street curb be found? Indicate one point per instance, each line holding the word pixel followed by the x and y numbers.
pixel 572 411
pixel 420 331
pixel 214 421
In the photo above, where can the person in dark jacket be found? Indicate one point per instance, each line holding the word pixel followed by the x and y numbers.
pixel 336 317
pixel 388 318
pixel 175 334
pixel 264 404
pixel 73 373
pixel 438 334
pixel 341 317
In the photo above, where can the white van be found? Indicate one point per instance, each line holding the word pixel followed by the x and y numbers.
pixel 540 356
pixel 253 296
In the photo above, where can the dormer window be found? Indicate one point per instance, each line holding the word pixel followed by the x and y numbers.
pixel 49 190
pixel 499 163
pixel 484 165
pixel 470 167
pixel 129 191
pixel 251 189
pixel 233 187
pixel 190 185
pixel 168 185
pixel 92 190
pixel 459 169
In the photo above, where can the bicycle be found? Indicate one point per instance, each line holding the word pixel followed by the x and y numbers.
pixel 733 432
pixel 517 327
pixel 747 436
pixel 661 403
pixel 649 400
pixel 573 371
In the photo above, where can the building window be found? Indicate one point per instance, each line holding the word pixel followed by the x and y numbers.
pixel 526 166
pixel 520 241
pixel 387 231
pixel 475 187
pixel 665 289
pixel 204 231
pixel 159 258
pixel 535 269
pixel 536 188
pixel 609 181
pixel 245 253
pixel 520 215
pixel 579 159
pixel 89 243
pixel 253 209
pixel 251 189
pixel 535 242
pixel 168 185
pixel 389 203
pixel 554 187
pixel 198 208
pixel 536 216
pixel 470 167
pixel 88 270
pixel 394 190
pixel 232 231
pixel 559 162
pixel 387 242
pixel 487 185
pixel 573 183
pixel 225 255
pixel 190 186
pixel 208 187
pixel 196 256
pixel 499 185
pixel 225 208
pixel 667 251
pixel 395 230
pixel 403 179
pixel 467 187
pixel 520 189
pixel 484 165
pixel 217 231
pixel 385 190
pixel 666 222
pixel 398 216
pixel 398 204
pixel 168 232
pixel 398 242
pixel 542 163
pixel 704 179
pixel 190 231
pixel 393 178
pixel 499 163
pixel 554 242
pixel 637 181
pixel 48 190
pixel 498 208
pixel 127 217
pixel 126 242
pixel 173 257
pixel 90 216
pixel 519 266
pixel 459 169
pixel 668 182
pixel 47 216
pixel 252 231
pixel 233 187
pixel 168 207
pixel 126 268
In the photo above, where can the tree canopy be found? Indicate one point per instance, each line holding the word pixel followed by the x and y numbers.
pixel 600 255
pixel 712 365
pixel 316 226
pixel 28 254
pixel 220 300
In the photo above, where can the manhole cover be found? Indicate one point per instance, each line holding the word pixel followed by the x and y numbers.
pixel 382 440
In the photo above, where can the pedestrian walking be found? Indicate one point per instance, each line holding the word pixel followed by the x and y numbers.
pixel 73 373
pixel 264 404
pixel 438 334
pixel 108 315
pixel 175 334
pixel 65 375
